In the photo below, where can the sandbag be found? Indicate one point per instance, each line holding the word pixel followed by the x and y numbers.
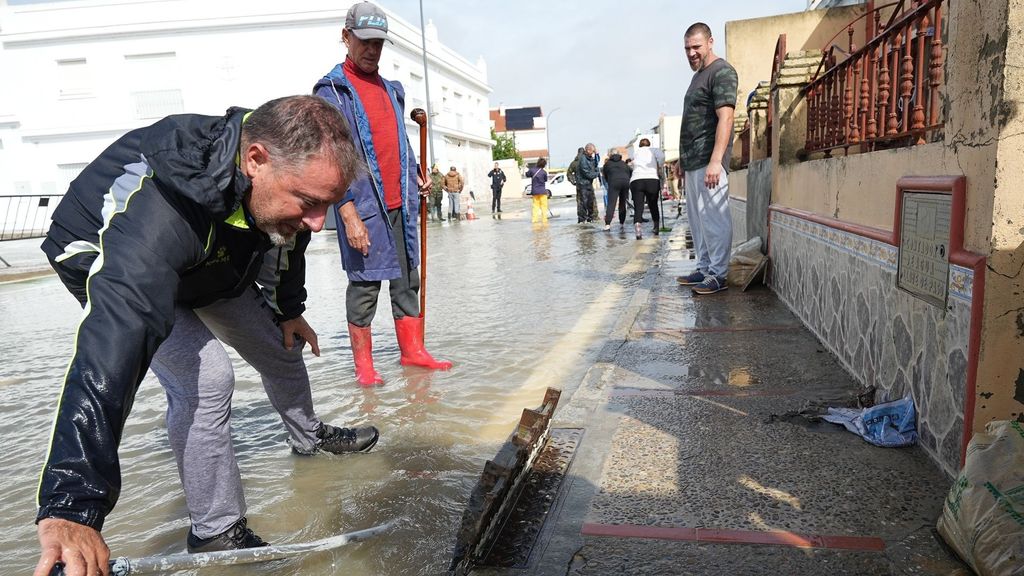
pixel 983 515
pixel 745 261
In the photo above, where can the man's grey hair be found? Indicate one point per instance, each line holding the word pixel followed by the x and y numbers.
pixel 297 129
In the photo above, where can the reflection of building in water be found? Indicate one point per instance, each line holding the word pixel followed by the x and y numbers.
pixel 89 71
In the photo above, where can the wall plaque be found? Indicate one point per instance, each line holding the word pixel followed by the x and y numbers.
pixel 923 268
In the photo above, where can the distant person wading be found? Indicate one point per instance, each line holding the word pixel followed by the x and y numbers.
pixel 539 191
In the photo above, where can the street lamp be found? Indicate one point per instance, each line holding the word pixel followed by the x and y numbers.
pixel 547 133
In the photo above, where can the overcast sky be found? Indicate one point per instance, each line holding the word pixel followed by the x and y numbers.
pixel 608 67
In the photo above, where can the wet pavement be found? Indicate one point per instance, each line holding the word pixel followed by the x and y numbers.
pixel 681 468
pixel 686 467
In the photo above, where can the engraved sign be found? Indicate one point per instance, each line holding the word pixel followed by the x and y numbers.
pixel 924 246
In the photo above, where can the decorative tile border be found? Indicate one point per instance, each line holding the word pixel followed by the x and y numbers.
pixel 880 253
pixel 961 279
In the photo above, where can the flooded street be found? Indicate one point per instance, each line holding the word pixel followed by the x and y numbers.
pixel 516 307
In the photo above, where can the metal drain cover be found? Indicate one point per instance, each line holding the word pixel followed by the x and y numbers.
pixel 515 540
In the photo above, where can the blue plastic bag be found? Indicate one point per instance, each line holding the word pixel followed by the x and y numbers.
pixel 889 424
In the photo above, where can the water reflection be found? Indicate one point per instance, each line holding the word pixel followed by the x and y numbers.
pixel 541 241
pixel 437 428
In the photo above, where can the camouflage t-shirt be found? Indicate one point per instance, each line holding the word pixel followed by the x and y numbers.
pixel 711 88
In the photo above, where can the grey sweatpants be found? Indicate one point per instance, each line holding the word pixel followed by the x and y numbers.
pixel 710 221
pixel 196 373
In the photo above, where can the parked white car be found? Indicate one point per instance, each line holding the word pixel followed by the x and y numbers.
pixel 558 184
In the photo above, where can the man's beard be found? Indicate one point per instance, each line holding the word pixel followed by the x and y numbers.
pixel 278 239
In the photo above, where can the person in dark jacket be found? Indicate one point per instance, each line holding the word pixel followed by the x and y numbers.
pixel 377 230
pixel 586 172
pixel 497 176
pixel 616 174
pixel 572 175
pixel 167 239
pixel 436 194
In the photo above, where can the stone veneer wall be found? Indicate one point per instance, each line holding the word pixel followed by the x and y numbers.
pixel 843 286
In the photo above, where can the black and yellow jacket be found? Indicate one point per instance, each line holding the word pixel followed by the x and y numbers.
pixel 157 220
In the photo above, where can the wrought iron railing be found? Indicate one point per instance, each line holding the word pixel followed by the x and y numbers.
pixel 26 216
pixel 886 93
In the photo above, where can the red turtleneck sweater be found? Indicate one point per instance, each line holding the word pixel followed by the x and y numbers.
pixel 383 129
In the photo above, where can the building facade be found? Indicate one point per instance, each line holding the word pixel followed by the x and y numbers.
pixel 853 218
pixel 528 128
pixel 78 74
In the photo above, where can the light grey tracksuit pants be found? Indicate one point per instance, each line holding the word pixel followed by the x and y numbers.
pixel 196 373
pixel 710 221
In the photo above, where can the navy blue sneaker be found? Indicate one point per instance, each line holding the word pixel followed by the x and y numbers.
pixel 691 279
pixel 710 285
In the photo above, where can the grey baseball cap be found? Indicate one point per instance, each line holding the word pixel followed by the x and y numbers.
pixel 367 21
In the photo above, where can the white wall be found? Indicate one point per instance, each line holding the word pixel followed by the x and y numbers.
pixel 530 139
pixel 88 71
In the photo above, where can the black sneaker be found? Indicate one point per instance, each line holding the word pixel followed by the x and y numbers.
pixel 343 440
pixel 235 538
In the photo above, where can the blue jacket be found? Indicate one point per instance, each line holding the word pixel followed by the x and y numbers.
pixel 538 181
pixel 367 191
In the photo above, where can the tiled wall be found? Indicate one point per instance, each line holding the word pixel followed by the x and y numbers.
pixel 843 286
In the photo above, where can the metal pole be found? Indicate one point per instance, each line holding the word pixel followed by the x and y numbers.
pixel 426 83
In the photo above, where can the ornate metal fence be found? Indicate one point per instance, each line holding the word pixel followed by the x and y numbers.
pixel 26 216
pixel 886 93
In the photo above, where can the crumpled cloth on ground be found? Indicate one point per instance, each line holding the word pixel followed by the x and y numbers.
pixel 890 424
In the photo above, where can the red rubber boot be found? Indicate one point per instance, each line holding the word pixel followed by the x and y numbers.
pixel 362 353
pixel 409 330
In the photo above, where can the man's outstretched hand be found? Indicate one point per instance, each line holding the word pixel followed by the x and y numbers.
pixel 79 547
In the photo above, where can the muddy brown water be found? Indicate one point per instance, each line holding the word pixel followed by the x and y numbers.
pixel 516 307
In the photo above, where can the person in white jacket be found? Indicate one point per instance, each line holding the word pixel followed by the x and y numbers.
pixel 645 183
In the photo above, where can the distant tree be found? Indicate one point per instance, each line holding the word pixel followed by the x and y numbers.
pixel 505 147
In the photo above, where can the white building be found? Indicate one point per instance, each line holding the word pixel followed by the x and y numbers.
pixel 78 74
pixel 527 126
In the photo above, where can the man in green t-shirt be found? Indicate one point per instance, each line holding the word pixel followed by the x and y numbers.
pixel 705 143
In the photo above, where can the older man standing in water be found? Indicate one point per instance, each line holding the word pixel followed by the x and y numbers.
pixel 705 145
pixel 377 230
pixel 166 240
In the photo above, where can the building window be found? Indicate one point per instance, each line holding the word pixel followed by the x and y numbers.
pixel 68 172
pixel 415 85
pixel 157 103
pixel 73 78
pixel 158 72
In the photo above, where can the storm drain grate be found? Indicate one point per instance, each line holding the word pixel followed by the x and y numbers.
pixel 515 541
